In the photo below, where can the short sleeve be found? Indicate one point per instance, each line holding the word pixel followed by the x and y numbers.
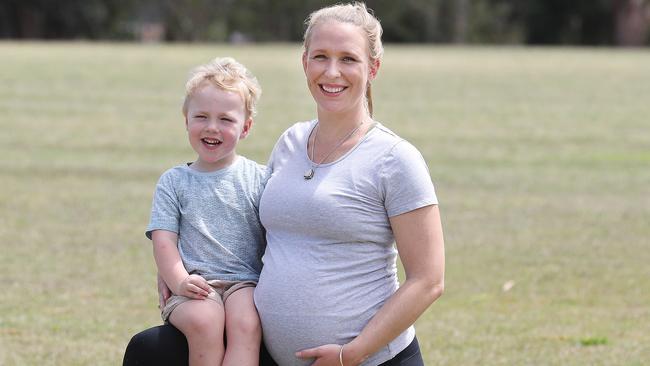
pixel 405 179
pixel 261 177
pixel 165 209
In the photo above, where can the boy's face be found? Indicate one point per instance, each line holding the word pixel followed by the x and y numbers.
pixel 215 121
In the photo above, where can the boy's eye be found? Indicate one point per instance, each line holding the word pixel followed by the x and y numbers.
pixel 348 59
pixel 226 119
pixel 200 116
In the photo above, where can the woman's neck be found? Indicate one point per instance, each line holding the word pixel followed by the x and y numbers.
pixel 335 124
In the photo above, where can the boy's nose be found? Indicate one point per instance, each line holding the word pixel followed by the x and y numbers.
pixel 212 126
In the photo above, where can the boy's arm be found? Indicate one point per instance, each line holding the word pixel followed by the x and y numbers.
pixel 171 269
pixel 163 291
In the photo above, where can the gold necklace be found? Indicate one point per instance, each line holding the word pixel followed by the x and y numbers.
pixel 309 174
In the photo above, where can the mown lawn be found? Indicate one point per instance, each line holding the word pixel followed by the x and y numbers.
pixel 540 156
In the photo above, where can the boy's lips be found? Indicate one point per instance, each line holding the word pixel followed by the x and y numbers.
pixel 211 142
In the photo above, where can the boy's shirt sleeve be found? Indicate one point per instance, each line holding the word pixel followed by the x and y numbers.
pixel 165 209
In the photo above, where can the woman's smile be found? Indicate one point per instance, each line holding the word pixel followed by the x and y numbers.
pixel 331 88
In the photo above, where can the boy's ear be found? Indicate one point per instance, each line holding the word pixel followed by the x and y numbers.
pixel 248 123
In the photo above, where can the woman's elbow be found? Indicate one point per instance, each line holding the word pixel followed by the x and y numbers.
pixel 435 290
pixel 430 290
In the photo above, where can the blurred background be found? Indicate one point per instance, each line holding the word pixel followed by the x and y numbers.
pixel 557 22
pixel 531 114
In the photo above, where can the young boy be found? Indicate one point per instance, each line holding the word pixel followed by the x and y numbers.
pixel 207 238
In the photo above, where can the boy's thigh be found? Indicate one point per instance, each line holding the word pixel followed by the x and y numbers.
pixel 227 288
pixel 176 300
pixel 198 315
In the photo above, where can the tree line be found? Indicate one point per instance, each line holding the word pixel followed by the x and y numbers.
pixel 580 22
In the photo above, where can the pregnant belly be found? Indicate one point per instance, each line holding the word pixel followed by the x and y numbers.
pixel 296 316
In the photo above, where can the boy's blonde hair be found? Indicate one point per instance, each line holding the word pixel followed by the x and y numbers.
pixel 354 13
pixel 227 74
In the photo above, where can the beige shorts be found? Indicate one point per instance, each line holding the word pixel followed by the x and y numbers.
pixel 222 289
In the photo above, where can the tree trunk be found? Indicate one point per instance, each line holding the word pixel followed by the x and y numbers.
pixel 632 19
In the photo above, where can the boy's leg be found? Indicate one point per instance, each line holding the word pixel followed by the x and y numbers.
pixel 202 322
pixel 243 329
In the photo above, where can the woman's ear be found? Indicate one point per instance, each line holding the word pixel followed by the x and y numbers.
pixel 304 61
pixel 374 68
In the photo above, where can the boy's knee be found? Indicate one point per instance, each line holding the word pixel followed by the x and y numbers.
pixel 202 325
pixel 246 325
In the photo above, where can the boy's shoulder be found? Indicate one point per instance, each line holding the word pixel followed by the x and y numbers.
pixel 175 172
pixel 253 169
pixel 247 163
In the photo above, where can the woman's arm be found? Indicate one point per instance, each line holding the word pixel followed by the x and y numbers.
pixel 171 269
pixel 419 239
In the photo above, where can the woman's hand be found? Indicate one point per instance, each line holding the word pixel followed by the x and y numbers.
pixel 327 355
pixel 332 355
pixel 194 287
pixel 163 292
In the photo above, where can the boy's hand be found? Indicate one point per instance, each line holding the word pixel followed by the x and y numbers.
pixel 194 287
pixel 163 292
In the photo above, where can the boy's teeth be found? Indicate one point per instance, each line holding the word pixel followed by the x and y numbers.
pixel 332 90
pixel 211 142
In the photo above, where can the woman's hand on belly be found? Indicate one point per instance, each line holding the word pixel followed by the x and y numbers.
pixel 323 355
pixel 329 355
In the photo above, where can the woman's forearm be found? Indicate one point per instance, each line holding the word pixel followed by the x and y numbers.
pixel 420 243
pixel 402 310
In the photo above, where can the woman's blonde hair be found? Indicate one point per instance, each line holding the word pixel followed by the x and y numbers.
pixel 227 74
pixel 354 13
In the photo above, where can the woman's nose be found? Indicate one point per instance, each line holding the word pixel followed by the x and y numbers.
pixel 332 69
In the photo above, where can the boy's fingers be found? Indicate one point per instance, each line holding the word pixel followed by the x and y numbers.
pixel 199 291
pixel 203 284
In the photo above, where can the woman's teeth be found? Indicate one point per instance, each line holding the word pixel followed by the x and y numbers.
pixel 330 89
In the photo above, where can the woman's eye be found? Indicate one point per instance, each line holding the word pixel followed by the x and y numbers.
pixel 319 57
pixel 348 59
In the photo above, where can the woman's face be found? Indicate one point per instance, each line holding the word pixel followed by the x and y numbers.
pixel 338 67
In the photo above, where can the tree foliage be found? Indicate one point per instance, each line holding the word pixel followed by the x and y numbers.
pixel 591 22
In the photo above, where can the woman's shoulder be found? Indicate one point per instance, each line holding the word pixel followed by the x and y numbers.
pixel 393 146
pixel 294 137
pixel 385 139
pixel 299 130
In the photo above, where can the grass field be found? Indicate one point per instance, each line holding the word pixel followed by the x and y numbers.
pixel 541 160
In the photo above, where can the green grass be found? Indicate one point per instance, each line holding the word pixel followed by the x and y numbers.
pixel 540 156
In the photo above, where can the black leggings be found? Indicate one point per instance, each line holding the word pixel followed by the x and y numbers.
pixel 410 356
pixel 166 345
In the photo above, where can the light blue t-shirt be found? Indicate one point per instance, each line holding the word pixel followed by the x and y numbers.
pixel 330 262
pixel 215 215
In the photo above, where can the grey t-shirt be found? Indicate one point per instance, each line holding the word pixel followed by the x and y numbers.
pixel 215 215
pixel 330 262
